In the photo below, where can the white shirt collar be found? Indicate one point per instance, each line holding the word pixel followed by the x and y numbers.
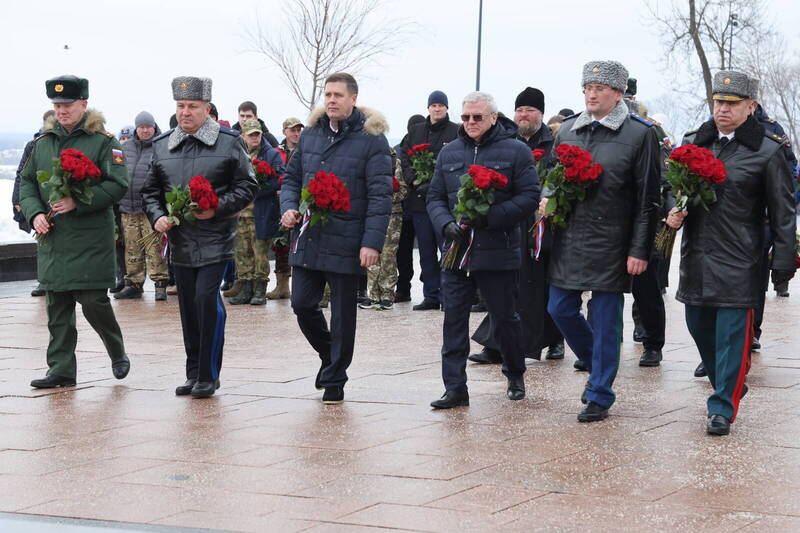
pixel 729 136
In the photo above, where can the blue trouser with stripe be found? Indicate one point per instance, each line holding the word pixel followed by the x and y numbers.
pixel 202 318
pixel 597 344
pixel 723 336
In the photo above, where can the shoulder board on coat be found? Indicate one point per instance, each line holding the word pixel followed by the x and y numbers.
pixel 107 134
pixel 163 135
pixel 229 131
pixel 571 116
pixel 780 139
pixel 643 120
pixel 771 120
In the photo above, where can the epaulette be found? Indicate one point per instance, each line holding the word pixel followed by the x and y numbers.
pixel 107 134
pixel 229 131
pixel 165 134
pixel 637 118
pixel 571 116
pixel 778 138
pixel 771 120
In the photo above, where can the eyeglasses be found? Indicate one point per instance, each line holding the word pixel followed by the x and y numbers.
pixel 596 89
pixel 475 118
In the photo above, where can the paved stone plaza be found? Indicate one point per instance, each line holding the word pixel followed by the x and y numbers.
pixel 265 455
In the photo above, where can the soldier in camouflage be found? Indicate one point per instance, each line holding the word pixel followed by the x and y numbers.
pixel 382 277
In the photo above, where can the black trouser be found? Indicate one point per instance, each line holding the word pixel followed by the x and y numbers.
pixel 334 345
pixel 499 290
pixel 405 255
pixel 763 276
pixel 650 306
pixel 203 319
pixel 538 331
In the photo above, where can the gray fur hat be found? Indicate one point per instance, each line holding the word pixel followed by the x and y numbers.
pixel 732 86
pixel 610 73
pixel 191 88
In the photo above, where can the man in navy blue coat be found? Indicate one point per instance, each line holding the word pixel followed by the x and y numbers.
pixel 495 257
pixel 349 142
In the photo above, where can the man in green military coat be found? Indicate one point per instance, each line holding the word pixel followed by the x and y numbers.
pixel 76 253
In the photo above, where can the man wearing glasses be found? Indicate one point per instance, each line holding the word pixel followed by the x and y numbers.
pixel 495 256
pixel 608 236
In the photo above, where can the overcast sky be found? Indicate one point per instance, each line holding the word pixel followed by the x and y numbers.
pixel 131 50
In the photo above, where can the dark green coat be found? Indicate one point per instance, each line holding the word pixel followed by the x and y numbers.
pixel 78 252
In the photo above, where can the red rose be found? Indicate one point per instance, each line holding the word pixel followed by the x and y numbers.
pixel 591 173
pixel 395 184
pixel 538 154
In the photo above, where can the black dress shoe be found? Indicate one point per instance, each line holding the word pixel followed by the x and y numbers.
pixel 580 366
pixel 585 393
pixel 516 388
pixel 333 395
pixel 38 291
pixel 487 356
pixel 593 412
pixel 718 425
pixel 427 305
pixel 555 352
pixel 400 297
pixel 118 287
pixel 638 334
pixel 52 382
pixel 650 358
pixel 186 388
pixel 756 345
pixel 121 368
pixel 323 363
pixel 451 399
pixel 204 389
pixel 700 371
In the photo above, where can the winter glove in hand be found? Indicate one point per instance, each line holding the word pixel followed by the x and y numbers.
pixel 479 222
pixel 782 276
pixel 453 232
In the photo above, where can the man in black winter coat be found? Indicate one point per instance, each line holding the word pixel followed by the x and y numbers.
pixel 349 142
pixel 538 330
pixel 199 252
pixel 437 130
pixel 493 240
pixel 721 248
pixel 609 235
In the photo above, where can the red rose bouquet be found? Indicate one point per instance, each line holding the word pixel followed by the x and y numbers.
pixel 692 171
pixel 70 177
pixel 182 202
pixel 568 181
pixel 475 197
pixel 324 194
pixel 263 171
pixel 423 161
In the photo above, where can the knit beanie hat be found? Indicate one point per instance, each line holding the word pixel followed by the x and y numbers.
pixel 145 119
pixel 438 97
pixel 530 97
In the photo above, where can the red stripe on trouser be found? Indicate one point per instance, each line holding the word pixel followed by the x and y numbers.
pixel 745 365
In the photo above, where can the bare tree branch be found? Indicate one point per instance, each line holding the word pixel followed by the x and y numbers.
pixel 319 37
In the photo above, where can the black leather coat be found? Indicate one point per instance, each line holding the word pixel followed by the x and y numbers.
pixel 437 135
pixel 496 247
pixel 619 215
pixel 721 249
pixel 227 166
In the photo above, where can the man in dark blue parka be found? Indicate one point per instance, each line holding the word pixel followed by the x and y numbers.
pixel 495 256
pixel 348 142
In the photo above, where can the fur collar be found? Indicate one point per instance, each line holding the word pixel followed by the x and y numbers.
pixel 375 123
pixel 207 134
pixel 612 121
pixel 749 134
pixel 93 121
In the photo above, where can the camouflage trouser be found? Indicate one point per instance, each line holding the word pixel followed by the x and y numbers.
pixel 382 276
pixel 139 260
pixel 252 261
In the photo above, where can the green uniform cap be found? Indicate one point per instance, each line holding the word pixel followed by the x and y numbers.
pixel 67 88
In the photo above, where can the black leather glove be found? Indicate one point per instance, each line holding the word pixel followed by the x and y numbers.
pixel 422 188
pixel 479 222
pixel 453 232
pixel 782 276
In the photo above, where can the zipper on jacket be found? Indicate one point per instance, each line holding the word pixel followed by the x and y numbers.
pixel 475 158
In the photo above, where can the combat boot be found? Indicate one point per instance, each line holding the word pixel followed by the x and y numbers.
pixel 234 290
pixel 131 290
pixel 259 292
pixel 281 290
pixel 161 291
pixel 245 293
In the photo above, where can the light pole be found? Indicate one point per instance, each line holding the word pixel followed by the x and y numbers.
pixel 480 27
pixel 733 22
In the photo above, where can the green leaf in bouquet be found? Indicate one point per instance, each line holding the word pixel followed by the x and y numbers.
pixel 190 217
pixel 465 180
pixel 42 176
pixel 552 205
pixel 471 203
pixel 482 209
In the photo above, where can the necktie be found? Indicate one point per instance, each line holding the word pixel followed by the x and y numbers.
pixel 723 141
